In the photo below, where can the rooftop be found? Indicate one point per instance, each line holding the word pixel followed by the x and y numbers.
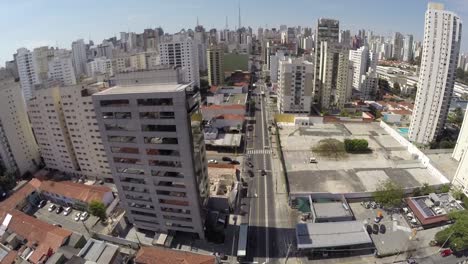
pixel 81 192
pixel 157 255
pixel 97 251
pixel 433 208
pixel 221 179
pixel 331 210
pixel 225 140
pixel 147 88
pixel 332 234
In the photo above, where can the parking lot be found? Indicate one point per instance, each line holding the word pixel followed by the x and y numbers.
pixel 397 233
pixel 67 222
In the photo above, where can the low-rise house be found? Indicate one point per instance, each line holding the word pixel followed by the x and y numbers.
pixel 157 255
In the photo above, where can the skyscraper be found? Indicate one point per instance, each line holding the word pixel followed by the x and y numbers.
pixel 215 59
pixel 408 48
pixel 156 154
pixel 79 57
pixel 441 47
pixel 26 72
pixel 359 58
pixel 327 30
pixel 295 85
pixel 397 52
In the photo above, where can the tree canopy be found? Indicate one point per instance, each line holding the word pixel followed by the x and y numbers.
pixel 456 235
pixel 456 117
pixel 356 145
pixel 8 181
pixel 98 209
pixel 389 193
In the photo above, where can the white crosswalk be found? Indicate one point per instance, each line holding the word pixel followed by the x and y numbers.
pixel 259 151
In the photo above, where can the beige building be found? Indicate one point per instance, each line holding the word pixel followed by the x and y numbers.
pixel 215 60
pixel 83 130
pixel 295 85
pixel 154 142
pixel 335 75
pixel 18 148
pixel 50 127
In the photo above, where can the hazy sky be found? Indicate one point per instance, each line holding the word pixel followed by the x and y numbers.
pixel 32 23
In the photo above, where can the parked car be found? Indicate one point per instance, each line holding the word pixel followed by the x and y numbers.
pixel 250 164
pixel 235 162
pixel 263 172
pixel 77 216
pixel 67 211
pixel 312 160
pixel 59 210
pixel 375 229
pixel 377 220
pixel 84 216
pixel 369 229
pixel 42 203
pixel 58 225
pixel 251 174
pixel 213 161
pixel 383 229
pixel 52 207
pixel 373 205
pixel 446 252
pixel 226 159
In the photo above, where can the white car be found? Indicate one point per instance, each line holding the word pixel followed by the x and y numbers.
pixel 67 211
pixel 213 161
pixel 52 208
pixel 77 216
pixel 84 216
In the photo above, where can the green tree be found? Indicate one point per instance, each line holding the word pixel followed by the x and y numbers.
pixel 356 145
pixel 444 188
pixel 456 117
pixel 456 235
pixel 457 192
pixel 389 194
pixel 8 181
pixel 427 189
pixel 98 209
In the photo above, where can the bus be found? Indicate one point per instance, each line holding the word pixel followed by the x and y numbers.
pixel 242 242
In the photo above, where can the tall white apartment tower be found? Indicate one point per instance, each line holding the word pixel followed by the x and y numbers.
pixel 441 47
pixel 181 50
pixel 359 59
pixel 26 72
pixel 18 148
pixel 397 51
pixel 295 86
pixel 60 68
pixel 155 146
pixel 79 57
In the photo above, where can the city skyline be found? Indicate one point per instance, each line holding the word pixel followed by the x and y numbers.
pixel 63 28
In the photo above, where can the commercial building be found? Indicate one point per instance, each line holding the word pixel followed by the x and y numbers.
pixel 18 148
pixel 156 153
pixel 335 75
pixel 327 31
pixel 180 50
pixel 215 59
pixel 295 86
pixel 437 74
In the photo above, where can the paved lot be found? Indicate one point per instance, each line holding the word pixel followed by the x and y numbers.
pixel 396 237
pixel 348 172
pixel 67 222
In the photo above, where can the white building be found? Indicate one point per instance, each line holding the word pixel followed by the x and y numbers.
pixel 441 48
pixel 462 141
pixel 181 50
pixel 99 66
pixel 60 68
pixel 359 59
pixel 397 51
pixel 274 64
pixel 295 86
pixel 79 57
pixel 156 155
pixel 18 148
pixel 26 72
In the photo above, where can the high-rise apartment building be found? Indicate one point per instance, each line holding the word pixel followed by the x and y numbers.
pixel 156 153
pixel 408 48
pixel 99 66
pixel 201 43
pixel 180 50
pixel 397 51
pixel 295 85
pixel 345 38
pixel 327 31
pixel 215 59
pixel 18 148
pixel 79 57
pixel 26 72
pixel 359 59
pixel 335 75
pixel 60 68
pixel 441 47
pixel 462 141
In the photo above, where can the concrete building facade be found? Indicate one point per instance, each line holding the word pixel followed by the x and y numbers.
pixel 442 37
pixel 295 86
pixel 215 60
pixel 156 154
pixel 79 57
pixel 18 148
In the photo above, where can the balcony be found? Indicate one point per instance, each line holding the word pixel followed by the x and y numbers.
pixel 173 202
pixel 158 128
pixel 162 152
pixel 162 163
pixel 155 102
pixel 175 210
pixel 172 193
pixel 116 127
pixel 141 206
pixel 117 115
pixel 132 180
pixel 114 103
pixel 126 150
pixel 161 140
pixel 128 161
pixel 135 189
pixel 138 198
pixel 130 171
pixel 121 139
pixel 169 174
pixel 157 115
pixel 177 218
pixel 179 185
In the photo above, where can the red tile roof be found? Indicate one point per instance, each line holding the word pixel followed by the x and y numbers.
pixel 17 197
pixel 157 255
pixel 10 257
pixel 401 112
pixel 81 192
pixel 231 117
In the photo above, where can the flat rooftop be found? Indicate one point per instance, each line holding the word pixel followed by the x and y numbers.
pixel 235 99
pixel 332 234
pixel 144 88
pixel 348 173
pixel 331 210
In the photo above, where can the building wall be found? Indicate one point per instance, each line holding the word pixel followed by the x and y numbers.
pixel 295 86
pixel 215 62
pixel 26 72
pixel 166 195
pixel 437 75
pixel 19 148
pixel 359 59
pixel 462 141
